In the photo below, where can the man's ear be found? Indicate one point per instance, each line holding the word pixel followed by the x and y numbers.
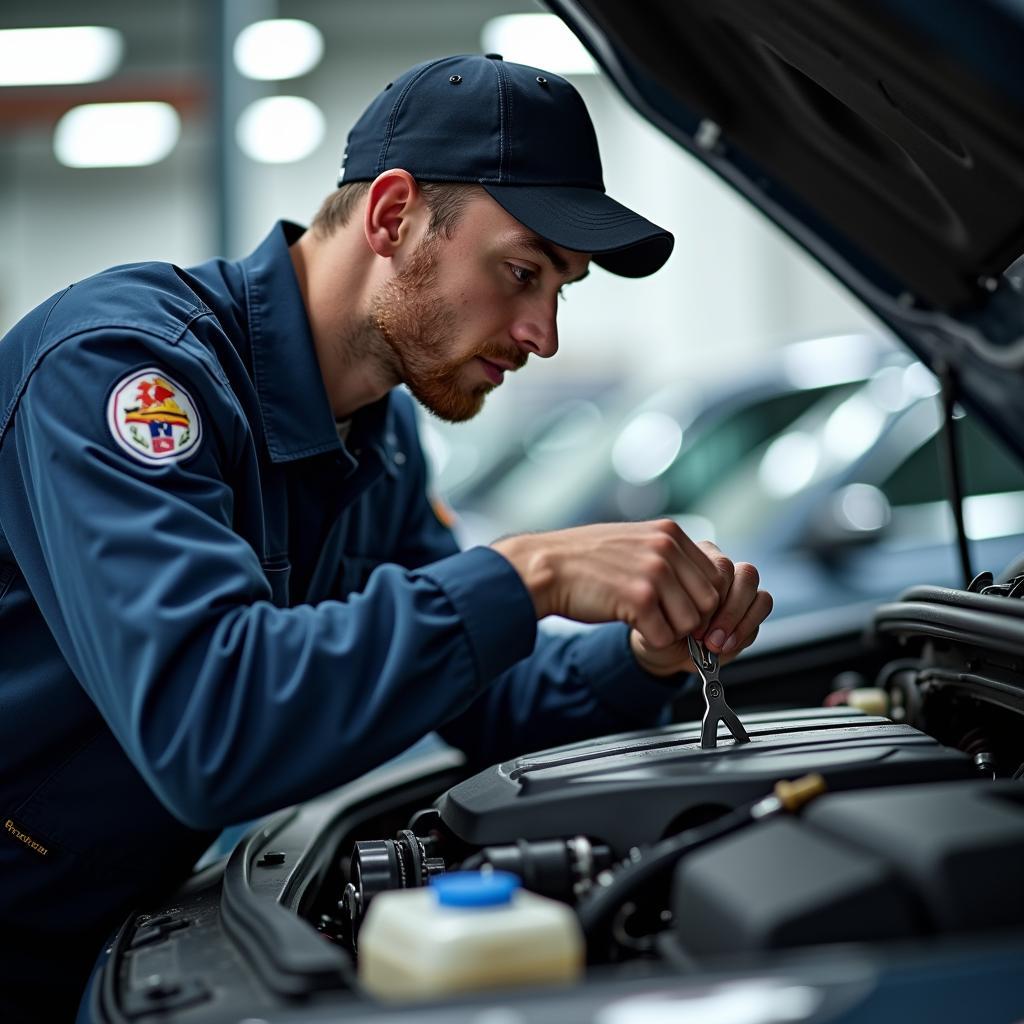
pixel 394 208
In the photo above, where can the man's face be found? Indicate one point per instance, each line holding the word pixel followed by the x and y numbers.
pixel 466 309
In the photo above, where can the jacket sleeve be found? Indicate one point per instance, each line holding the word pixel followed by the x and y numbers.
pixel 573 687
pixel 227 705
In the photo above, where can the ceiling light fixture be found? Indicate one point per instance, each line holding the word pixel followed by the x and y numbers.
pixel 539 40
pixel 58 56
pixel 116 134
pixel 278 48
pixel 280 129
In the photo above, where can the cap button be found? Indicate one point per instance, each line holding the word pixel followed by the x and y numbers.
pixel 455 79
pixel 541 80
pixel 494 56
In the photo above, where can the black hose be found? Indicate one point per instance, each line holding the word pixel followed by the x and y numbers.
pixel 617 886
pixel 603 901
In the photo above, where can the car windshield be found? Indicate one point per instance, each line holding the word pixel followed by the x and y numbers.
pixel 884 433
pixel 728 440
pixel 754 488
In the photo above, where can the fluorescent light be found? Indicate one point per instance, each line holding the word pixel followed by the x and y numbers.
pixel 647 446
pixel 853 427
pixel 58 56
pixel 116 134
pixel 920 382
pixel 789 464
pixel 822 362
pixel 863 507
pixel 278 48
pixel 540 40
pixel 994 515
pixel 280 129
pixel 887 389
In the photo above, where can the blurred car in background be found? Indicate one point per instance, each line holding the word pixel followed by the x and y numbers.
pixel 554 419
pixel 822 468
pixel 659 457
pixel 849 501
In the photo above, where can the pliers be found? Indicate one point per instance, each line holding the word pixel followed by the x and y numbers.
pixel 717 709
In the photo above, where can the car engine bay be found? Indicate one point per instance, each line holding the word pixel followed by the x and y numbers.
pixel 839 844
pixel 678 854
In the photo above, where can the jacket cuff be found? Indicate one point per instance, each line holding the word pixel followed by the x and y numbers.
pixel 605 658
pixel 493 604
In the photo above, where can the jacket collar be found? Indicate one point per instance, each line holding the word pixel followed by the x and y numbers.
pixel 297 417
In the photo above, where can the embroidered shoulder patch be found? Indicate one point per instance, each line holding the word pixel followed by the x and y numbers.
pixel 153 418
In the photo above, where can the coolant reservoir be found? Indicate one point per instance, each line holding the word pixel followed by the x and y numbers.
pixel 467 930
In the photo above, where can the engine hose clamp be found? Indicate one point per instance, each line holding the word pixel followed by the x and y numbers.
pixel 583 854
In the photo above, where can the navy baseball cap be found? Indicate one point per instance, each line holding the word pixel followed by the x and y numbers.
pixel 521 133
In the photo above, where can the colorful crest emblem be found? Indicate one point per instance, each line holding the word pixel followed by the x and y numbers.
pixel 153 418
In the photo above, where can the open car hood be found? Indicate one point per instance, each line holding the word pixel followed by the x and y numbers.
pixel 886 138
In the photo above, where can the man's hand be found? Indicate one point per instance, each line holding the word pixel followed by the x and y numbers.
pixel 732 628
pixel 649 575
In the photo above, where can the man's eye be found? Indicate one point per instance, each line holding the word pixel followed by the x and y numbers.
pixel 521 274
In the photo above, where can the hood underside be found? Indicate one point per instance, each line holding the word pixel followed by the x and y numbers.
pixel 886 138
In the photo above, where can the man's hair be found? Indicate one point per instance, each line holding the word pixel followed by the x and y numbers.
pixel 445 199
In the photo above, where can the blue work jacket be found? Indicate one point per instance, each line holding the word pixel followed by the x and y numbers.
pixel 211 607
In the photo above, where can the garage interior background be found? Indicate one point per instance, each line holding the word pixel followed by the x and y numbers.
pixel 735 288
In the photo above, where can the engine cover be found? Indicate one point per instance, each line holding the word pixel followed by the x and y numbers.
pixel 859 867
pixel 635 788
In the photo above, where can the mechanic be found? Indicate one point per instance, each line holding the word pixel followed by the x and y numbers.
pixel 223 586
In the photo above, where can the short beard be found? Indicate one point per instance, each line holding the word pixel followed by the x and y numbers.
pixel 417 327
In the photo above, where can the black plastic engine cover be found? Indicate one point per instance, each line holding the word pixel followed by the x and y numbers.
pixel 893 863
pixel 779 884
pixel 961 845
pixel 637 787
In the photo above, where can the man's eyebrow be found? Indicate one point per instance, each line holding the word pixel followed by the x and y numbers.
pixel 537 244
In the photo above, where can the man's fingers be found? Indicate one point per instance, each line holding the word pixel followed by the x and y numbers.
pixel 701 555
pixel 742 635
pixel 724 575
pixel 700 592
pixel 645 612
pixel 722 566
pixel 685 594
pixel 744 644
pixel 690 600
pixel 742 597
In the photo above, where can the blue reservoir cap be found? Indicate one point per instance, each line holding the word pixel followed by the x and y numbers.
pixel 475 888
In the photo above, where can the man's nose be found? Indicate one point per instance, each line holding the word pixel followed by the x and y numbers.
pixel 537 333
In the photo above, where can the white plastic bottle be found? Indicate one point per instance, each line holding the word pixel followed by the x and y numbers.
pixel 466 931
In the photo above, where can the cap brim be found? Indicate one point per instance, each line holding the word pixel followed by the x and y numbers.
pixel 586 220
